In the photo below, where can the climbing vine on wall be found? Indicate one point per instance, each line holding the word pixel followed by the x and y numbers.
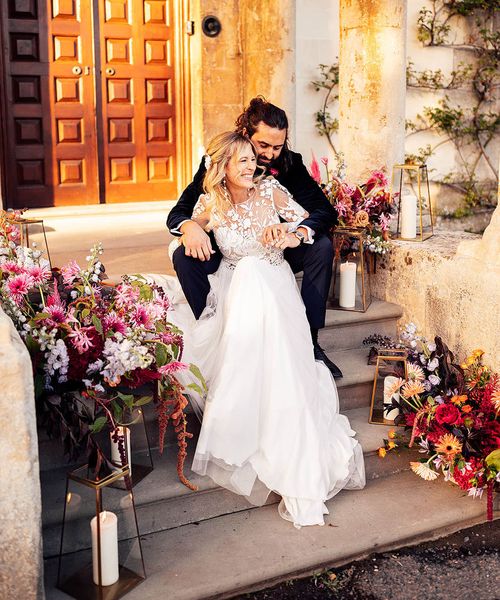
pixel 470 129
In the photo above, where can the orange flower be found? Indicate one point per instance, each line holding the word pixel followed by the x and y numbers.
pixel 466 408
pixel 412 388
pixel 449 445
pixel 392 434
pixel 459 399
pixel 391 445
pixel 382 452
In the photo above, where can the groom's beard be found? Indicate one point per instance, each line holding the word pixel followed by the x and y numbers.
pixel 267 164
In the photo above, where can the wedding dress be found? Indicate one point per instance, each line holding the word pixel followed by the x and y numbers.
pixel 271 418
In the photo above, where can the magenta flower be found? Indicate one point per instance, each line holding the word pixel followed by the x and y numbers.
pixel 10 266
pixel 173 367
pixel 324 160
pixel 384 221
pixel 70 272
pixel 40 274
pixel 19 286
pixel 314 170
pixel 112 322
pixel 141 317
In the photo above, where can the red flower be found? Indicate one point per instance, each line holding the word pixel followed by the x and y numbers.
pixel 78 363
pixel 139 377
pixel 447 414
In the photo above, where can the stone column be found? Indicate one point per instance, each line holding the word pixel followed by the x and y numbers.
pixel 372 84
pixel 268 44
pixel 21 567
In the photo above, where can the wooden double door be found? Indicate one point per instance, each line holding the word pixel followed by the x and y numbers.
pixel 88 101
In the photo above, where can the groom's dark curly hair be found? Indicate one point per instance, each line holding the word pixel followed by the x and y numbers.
pixel 259 110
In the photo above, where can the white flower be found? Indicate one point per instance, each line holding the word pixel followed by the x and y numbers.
pixel 57 360
pixel 434 379
pixel 433 364
pixel 207 161
pixel 476 492
pixel 431 347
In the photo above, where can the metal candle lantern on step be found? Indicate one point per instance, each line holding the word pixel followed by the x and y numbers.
pixel 100 556
pixel 350 287
pixel 415 221
pixel 32 231
pixel 390 368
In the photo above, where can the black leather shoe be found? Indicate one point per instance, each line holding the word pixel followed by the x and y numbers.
pixel 319 354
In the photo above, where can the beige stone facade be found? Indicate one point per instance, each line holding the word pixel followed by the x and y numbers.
pixel 21 567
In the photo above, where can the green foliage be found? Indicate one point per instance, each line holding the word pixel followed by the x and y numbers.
pixel 326 125
pixel 434 23
pixel 469 130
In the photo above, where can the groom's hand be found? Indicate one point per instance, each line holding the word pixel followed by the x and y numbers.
pixel 196 242
pixel 289 241
pixel 274 233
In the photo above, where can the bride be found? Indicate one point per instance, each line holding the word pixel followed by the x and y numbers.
pixel 271 417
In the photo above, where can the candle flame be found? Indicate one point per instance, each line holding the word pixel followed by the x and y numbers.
pixel 68 497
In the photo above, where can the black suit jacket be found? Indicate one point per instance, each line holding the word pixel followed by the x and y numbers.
pixel 296 179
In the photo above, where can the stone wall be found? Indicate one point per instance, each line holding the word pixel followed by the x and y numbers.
pixel 21 567
pixel 449 286
pixel 252 55
pixel 318 42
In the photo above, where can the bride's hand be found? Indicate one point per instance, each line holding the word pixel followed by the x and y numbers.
pixel 289 241
pixel 274 233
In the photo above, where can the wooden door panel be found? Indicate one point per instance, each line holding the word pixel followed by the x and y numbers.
pixel 138 100
pixel 48 110
pixel 53 145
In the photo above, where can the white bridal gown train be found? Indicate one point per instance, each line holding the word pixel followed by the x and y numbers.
pixel 271 418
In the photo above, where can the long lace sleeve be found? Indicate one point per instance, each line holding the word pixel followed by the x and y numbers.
pixel 201 212
pixel 285 205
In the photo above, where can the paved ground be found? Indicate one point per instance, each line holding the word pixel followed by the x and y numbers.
pixel 134 236
pixel 463 566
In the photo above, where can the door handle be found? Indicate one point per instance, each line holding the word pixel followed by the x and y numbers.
pixel 77 70
pixel 110 71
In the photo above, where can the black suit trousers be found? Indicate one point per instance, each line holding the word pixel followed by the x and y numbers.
pixel 315 260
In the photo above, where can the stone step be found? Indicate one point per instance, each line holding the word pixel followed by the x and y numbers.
pixel 165 503
pixel 254 549
pixel 354 390
pixel 345 330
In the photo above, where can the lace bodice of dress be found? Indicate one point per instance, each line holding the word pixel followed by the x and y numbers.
pixel 238 231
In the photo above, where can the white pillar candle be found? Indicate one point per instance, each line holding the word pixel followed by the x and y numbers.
pixel 109 548
pixel 115 452
pixel 347 285
pixel 389 381
pixel 408 216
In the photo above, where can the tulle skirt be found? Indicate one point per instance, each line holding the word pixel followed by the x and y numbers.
pixel 271 418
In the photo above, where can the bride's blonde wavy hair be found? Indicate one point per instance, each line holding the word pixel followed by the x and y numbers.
pixel 220 150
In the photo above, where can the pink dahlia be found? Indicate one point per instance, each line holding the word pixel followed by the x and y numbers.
pixel 19 286
pixel 141 316
pixel 70 272
pixel 10 266
pixel 112 322
pixel 40 274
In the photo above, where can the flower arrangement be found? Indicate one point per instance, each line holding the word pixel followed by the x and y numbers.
pixel 88 341
pixel 453 412
pixel 368 205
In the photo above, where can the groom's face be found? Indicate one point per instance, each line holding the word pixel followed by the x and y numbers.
pixel 269 143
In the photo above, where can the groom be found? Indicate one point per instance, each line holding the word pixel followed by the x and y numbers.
pixel 266 126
